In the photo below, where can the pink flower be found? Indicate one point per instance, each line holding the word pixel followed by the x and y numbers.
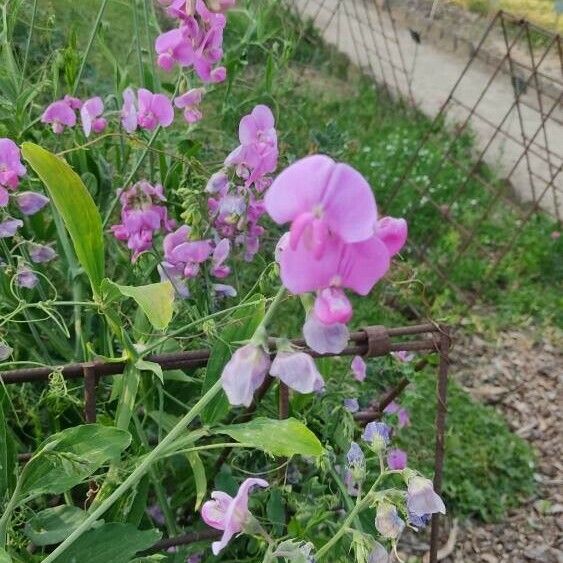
pixel 129 111
pixel 322 198
pixel 90 115
pixel 190 103
pixel 323 338
pixel 31 202
pixel 173 47
pixel 147 111
pixel 60 115
pixel 244 373
pixel 11 168
pixel 402 413
pixel 421 497
pixel 74 103
pixel 220 254
pixel 298 371
pixel 231 515
pixel 26 277
pixel 359 368
pixel 393 233
pixel 387 521
pixel 403 356
pixel 9 227
pixel 332 306
pixel 183 256
pixel 396 459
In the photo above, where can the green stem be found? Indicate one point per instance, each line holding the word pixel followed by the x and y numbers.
pixel 89 46
pixel 28 43
pixel 138 41
pixel 127 396
pixel 7 516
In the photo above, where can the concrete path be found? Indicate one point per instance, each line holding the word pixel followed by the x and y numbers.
pixel 364 31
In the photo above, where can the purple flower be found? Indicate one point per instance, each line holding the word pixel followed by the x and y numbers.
pixel 11 168
pixel 351 405
pixel 155 513
pixel 298 371
pixel 387 521
pixel 148 111
pixel 173 47
pixel 5 351
pixel 220 254
pixel 332 306
pixel 402 413
pixel 231 515
pixel 31 202
pixel 90 114
pixel 377 435
pixel 129 111
pixel 393 233
pixel 419 521
pixel 325 338
pixel 359 368
pixel 355 456
pixel 218 183
pixel 223 290
pixel 396 459
pixel 72 102
pixel 9 226
pixel 244 373
pixel 26 277
pixel 183 256
pixel 403 356
pixel 421 497
pixel 40 253
pixel 60 115
pixel 378 554
pixel 189 102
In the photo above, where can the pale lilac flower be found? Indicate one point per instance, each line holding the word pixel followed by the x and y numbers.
pixel 298 371
pixel 189 102
pixel 377 435
pixel 356 461
pixel 224 290
pixel 388 522
pixel 153 110
pixel 91 116
pixel 155 513
pixel 359 368
pixel 221 5
pixel 26 277
pixel 9 227
pixel 173 47
pixel 60 115
pixel 244 373
pixel 419 521
pixel 218 183
pixel 322 198
pixel 129 111
pixel 220 254
pixel 397 459
pixel 231 515
pixel 40 253
pixel 351 405
pixel 195 558
pixel 421 497
pixel 31 202
pixel 323 338
pixel 378 554
pixel 402 413
pixel 403 356
pixel 72 102
pixel 5 351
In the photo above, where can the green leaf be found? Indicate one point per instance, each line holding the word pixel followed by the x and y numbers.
pixel 76 207
pixel 145 365
pixel 7 455
pixel 278 437
pixel 4 557
pixel 244 323
pixel 53 525
pixel 113 542
pixel 156 299
pixel 199 476
pixel 69 457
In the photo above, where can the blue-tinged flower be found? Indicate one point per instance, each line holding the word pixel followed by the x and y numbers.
pixel 422 499
pixel 351 405
pixel 378 554
pixel 419 521
pixel 377 435
pixel 388 522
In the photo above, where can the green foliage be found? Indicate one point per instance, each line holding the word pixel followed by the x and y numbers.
pixel 53 525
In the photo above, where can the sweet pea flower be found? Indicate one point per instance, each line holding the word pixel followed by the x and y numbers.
pixel 183 256
pixel 396 459
pixel 403 356
pixel 31 202
pixel 402 413
pixel 378 554
pixel 60 115
pixel 5 351
pixel 72 102
pixel 9 227
pixel 220 254
pixel 26 277
pixel 154 109
pixel 173 47
pixel 11 168
pixel 218 183
pixel 220 5
pixel 323 338
pixel 320 197
pixel 90 115
pixel 332 306
pixel 359 368
pixel 393 233
pixel 228 514
pixel 244 373
pixel 298 371
pixel 224 290
pixel 189 102
pixel 421 497
pixel 129 111
pixel 351 405
pixel 377 435
pixel 388 522
pixel 40 253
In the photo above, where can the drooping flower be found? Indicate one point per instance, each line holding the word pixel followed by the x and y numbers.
pixel 224 290
pixel 31 202
pixel 351 405
pixel 231 515
pixel 11 168
pixel 244 373
pixel 220 254
pixel 298 371
pixel 190 102
pixel 9 227
pixel 356 462
pixel 320 198
pixel 421 497
pixel 60 115
pixel 323 338
pixel 142 215
pixel 5 351
pixel 218 183
pixel 173 47
pixel 402 413
pixel 26 277
pixel 91 116
pixel 40 253
pixel 396 459
pixel 388 522
pixel 377 435
pixel 359 368
pixel 378 554
pixel 72 101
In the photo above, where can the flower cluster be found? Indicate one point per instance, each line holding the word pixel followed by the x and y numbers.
pixel 198 40
pixel 335 241
pixel 62 114
pixel 142 215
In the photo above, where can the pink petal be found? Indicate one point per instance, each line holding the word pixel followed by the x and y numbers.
pixel 393 233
